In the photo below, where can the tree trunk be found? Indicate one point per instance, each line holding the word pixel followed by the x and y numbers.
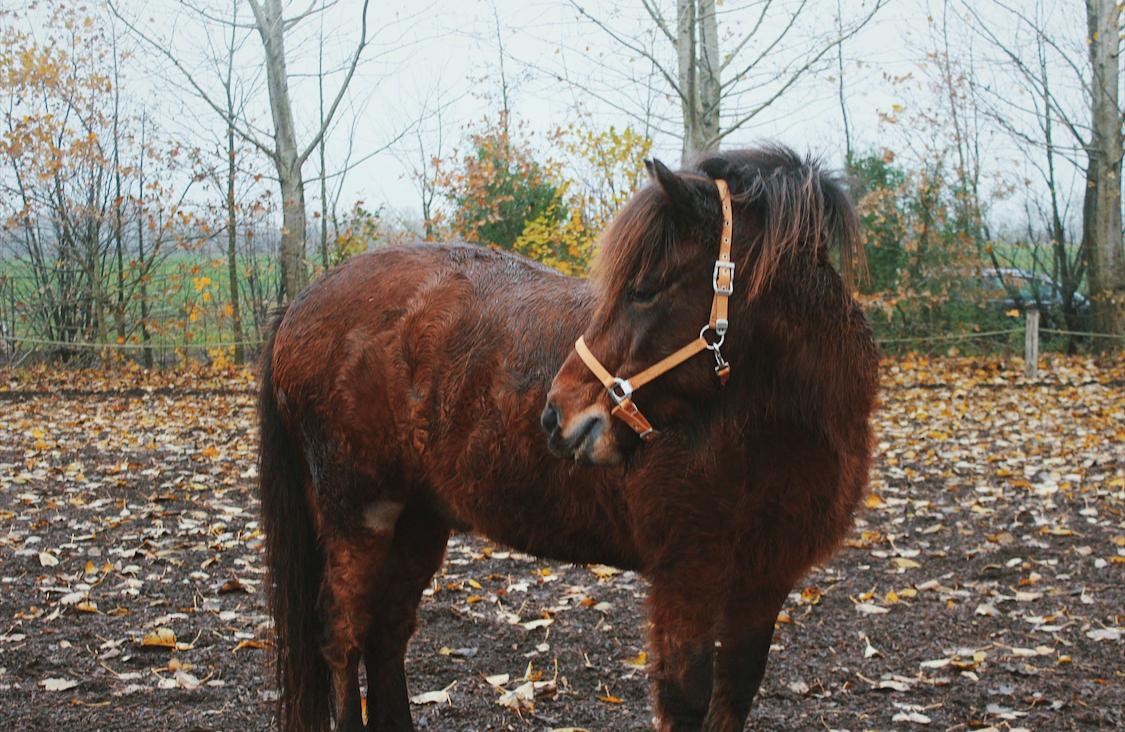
pixel 232 208
pixel 1101 210
pixel 324 259
pixel 708 82
pixel 685 61
pixel 698 64
pixel 294 276
pixel 849 154
pixel 232 251
pixel 118 203
pixel 271 28
pixel 118 244
pixel 320 152
pixel 143 265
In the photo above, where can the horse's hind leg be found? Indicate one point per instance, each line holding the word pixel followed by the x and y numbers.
pixel 416 553
pixel 357 526
pixel 352 563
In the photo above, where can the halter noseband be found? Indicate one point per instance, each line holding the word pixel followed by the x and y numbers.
pixel 722 281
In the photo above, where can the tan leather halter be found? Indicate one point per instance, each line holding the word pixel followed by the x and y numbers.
pixel 722 281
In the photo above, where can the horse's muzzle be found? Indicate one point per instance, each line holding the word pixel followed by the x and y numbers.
pixel 576 440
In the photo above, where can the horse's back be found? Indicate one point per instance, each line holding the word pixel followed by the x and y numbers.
pixel 388 349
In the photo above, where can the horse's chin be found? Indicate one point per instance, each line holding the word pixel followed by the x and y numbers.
pixel 598 451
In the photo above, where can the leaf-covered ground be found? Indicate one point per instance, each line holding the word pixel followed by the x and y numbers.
pixel 984 586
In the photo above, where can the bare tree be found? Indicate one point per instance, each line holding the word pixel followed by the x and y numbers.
pixel 1093 128
pixel 423 156
pixel 231 203
pixel 1101 212
pixel 72 152
pixel 722 90
pixel 283 150
pixel 1034 127
pixel 849 152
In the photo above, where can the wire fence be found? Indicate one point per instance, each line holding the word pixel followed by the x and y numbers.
pixel 948 337
pixel 185 313
pixel 1083 334
pixel 186 310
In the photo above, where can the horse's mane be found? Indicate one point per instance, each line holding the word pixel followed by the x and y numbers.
pixel 800 209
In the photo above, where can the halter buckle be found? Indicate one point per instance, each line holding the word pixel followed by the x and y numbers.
pixel 728 289
pixel 625 387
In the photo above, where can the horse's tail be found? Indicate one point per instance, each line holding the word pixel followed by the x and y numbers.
pixel 296 567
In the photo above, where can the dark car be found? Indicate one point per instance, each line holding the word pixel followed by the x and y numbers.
pixel 1019 289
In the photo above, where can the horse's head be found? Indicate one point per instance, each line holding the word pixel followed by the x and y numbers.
pixel 663 290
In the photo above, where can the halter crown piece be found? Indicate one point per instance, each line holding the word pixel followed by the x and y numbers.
pixel 711 338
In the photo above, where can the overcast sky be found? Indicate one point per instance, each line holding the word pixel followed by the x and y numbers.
pixel 441 62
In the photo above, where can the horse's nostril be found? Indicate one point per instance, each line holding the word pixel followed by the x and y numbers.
pixel 551 419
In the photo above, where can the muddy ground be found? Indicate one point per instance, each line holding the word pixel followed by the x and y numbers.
pixel 984 585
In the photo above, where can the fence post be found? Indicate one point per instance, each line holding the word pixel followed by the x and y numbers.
pixel 1031 344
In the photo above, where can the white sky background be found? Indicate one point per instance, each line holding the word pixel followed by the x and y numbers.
pixel 439 62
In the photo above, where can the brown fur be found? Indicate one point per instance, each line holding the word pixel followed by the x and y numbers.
pixel 417 375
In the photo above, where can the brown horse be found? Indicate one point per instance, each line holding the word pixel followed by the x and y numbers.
pixel 403 397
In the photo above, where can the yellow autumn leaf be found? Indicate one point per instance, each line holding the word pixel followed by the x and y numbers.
pixel 159 638
pixel 638 661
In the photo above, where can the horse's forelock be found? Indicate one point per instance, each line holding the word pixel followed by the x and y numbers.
pixel 636 241
pixel 800 209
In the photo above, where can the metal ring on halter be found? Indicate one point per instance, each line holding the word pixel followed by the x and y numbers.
pixel 717 344
pixel 625 387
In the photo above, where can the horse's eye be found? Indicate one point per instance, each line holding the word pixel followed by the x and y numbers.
pixel 643 295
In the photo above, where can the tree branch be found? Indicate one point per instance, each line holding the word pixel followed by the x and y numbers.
pixel 343 88
pixel 981 27
pixel 632 47
pixel 748 37
pixel 165 51
pixel 795 76
pixel 658 18
pixel 769 48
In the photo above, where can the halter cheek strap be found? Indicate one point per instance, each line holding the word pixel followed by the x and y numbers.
pixel 711 338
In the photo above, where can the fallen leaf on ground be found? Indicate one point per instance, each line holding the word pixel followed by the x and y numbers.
pixel 58 684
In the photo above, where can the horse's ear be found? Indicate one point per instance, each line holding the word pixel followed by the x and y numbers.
pixel 716 167
pixel 678 190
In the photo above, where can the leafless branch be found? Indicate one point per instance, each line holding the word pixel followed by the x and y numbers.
pixel 343 87
pixel 629 44
pixel 796 75
pixel 164 50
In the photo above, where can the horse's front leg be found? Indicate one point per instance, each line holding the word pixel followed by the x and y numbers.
pixel 743 638
pixel 682 646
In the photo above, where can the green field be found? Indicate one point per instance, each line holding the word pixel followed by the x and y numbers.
pixel 189 307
